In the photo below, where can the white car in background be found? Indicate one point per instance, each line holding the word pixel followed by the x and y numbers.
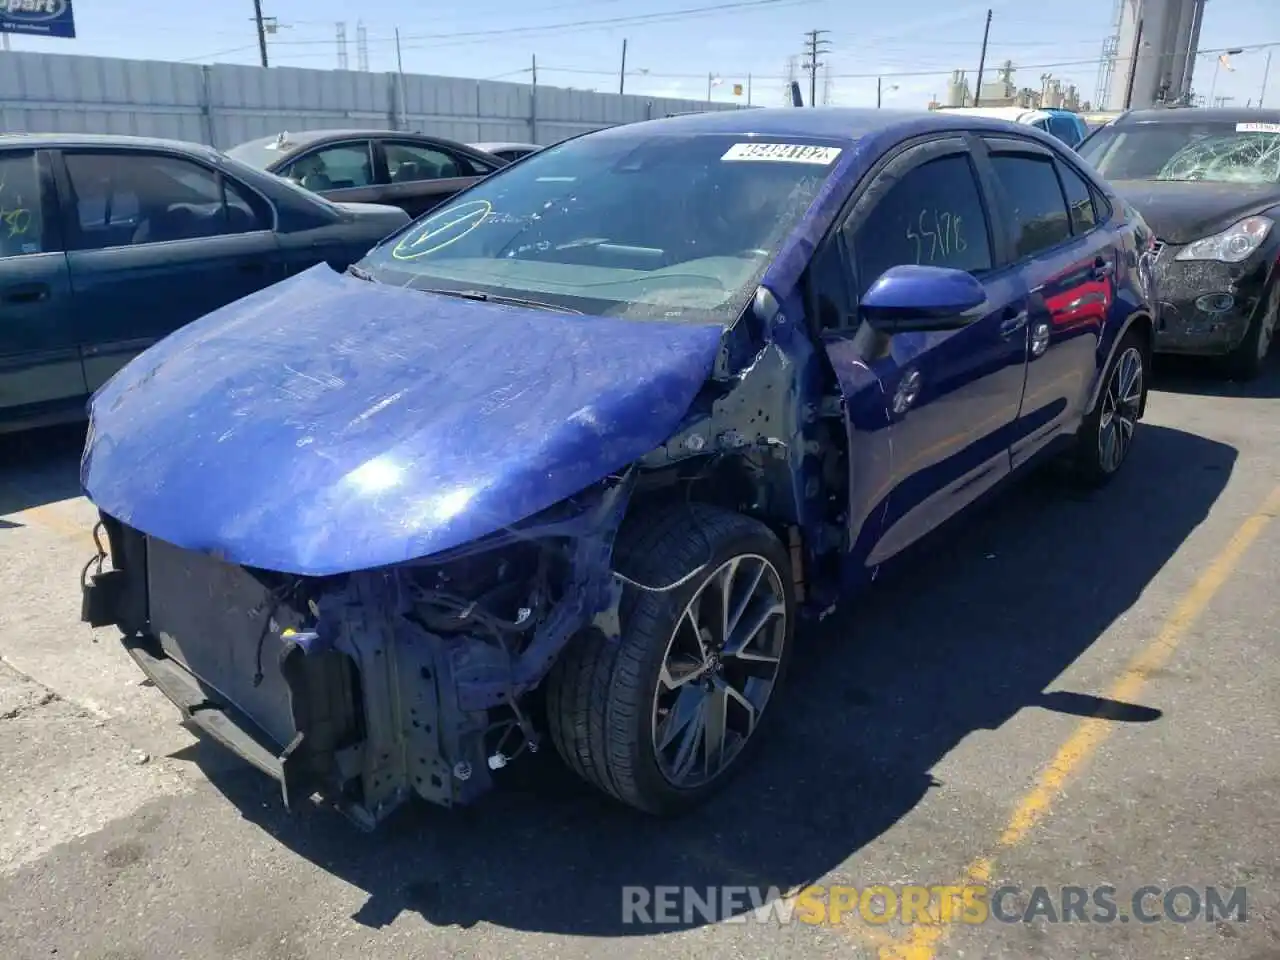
pixel 1066 125
pixel 510 152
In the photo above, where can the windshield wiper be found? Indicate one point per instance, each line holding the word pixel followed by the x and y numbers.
pixel 483 297
pixel 360 273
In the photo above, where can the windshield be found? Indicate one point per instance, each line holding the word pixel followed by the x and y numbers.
pixel 623 224
pixel 1215 151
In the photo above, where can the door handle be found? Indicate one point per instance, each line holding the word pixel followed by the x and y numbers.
pixel 26 293
pixel 1012 323
pixel 1103 268
pixel 253 266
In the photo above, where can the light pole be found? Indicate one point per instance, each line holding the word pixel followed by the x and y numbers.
pixel 1217 64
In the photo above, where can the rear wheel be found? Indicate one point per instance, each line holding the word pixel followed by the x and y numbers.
pixel 666 716
pixel 1107 434
pixel 1246 362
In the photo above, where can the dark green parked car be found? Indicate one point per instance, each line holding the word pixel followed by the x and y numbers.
pixel 109 243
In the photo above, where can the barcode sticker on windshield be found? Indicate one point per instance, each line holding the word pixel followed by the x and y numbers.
pixel 1258 127
pixel 782 153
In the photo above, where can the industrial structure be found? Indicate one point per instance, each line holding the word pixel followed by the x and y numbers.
pixel 1004 92
pixel 1151 56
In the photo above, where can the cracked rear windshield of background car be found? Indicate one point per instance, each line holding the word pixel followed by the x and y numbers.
pixel 1210 152
pixel 663 228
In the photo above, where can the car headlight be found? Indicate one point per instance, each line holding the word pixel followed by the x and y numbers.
pixel 1232 245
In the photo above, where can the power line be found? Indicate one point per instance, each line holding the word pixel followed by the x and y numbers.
pixel 656 17
pixel 887 74
pixel 870 76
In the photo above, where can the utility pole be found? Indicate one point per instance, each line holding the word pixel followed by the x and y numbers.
pixel 404 107
pixel 262 30
pixel 877 93
pixel 1133 64
pixel 982 61
pixel 622 73
pixel 815 46
pixel 1217 65
pixel 1266 72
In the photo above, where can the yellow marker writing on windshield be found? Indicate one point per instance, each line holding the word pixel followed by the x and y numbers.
pixel 441 229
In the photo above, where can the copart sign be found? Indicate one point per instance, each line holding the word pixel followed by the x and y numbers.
pixel 43 18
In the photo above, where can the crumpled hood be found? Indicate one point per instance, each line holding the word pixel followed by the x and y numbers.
pixel 329 424
pixel 1182 212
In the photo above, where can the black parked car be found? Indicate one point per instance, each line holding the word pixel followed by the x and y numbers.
pixel 1208 183
pixel 413 171
pixel 109 243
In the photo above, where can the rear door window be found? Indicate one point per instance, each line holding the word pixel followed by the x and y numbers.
pixel 343 166
pixel 932 216
pixel 127 198
pixel 408 162
pixel 1079 200
pixel 21 206
pixel 1038 211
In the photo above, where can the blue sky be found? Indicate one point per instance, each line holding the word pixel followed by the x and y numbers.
pixel 755 37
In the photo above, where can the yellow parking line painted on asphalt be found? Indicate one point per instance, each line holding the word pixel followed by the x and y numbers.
pixel 922 941
pixel 55 517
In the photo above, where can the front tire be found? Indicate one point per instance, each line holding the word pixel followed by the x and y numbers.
pixel 666 716
pixel 1247 361
pixel 1106 435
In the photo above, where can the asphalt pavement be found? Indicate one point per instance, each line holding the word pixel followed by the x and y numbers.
pixel 1064 691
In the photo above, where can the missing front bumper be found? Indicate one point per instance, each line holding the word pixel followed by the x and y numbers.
pixel 353 712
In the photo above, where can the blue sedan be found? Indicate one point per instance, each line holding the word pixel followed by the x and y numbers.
pixel 567 459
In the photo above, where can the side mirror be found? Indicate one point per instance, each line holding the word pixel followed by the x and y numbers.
pixel 919 298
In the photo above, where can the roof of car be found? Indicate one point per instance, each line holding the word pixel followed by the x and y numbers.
pixel 838 124
pixel 503 145
pixel 296 139
pixel 1199 114
pixel 999 113
pixel 55 140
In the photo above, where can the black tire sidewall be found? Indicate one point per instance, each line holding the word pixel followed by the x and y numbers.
pixel 749 537
pixel 1244 362
pixel 1088 456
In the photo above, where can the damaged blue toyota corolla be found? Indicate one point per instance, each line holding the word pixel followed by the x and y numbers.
pixel 569 457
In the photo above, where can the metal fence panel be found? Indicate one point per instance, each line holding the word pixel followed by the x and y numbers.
pixel 226 104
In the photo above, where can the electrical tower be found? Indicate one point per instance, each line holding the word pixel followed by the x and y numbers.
pixel 1110 49
pixel 362 47
pixel 815 46
pixel 343 63
pixel 793 74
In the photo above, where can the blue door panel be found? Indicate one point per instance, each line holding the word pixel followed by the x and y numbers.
pixel 950 399
pixel 951 444
pixel 129 297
